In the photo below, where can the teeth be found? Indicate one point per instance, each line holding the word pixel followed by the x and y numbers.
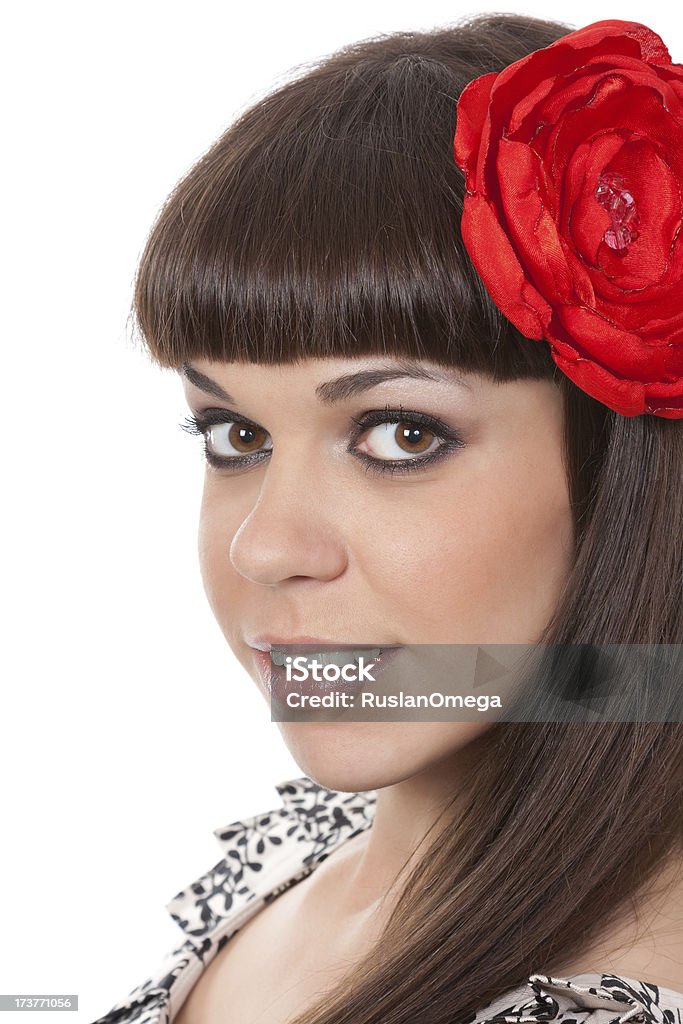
pixel 339 658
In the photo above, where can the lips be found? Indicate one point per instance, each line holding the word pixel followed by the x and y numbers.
pixel 272 670
pixel 332 656
pixel 265 642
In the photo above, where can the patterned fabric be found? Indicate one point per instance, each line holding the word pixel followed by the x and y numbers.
pixel 267 853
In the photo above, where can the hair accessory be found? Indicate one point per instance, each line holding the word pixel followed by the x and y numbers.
pixel 573 163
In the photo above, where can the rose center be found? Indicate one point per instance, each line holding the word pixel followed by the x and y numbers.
pixel 614 197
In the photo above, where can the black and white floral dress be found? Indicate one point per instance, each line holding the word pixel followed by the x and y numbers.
pixel 263 855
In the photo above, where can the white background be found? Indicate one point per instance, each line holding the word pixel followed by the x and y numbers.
pixel 129 732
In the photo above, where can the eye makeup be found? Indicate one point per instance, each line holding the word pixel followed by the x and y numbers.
pixel 414 426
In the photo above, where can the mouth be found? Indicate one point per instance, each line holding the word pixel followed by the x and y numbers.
pixel 338 655
pixel 266 641
pixel 326 662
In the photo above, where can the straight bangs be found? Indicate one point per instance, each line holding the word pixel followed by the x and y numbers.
pixel 325 223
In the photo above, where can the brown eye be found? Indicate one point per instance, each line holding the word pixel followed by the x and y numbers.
pixel 226 439
pixel 412 437
pixel 394 441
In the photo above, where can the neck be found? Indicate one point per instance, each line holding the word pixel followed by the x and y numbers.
pixel 408 816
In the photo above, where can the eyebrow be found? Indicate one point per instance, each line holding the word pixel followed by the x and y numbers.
pixel 344 387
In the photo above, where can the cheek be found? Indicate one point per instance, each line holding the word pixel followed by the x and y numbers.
pixel 479 563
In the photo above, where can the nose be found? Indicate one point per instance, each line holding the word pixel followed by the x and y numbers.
pixel 289 533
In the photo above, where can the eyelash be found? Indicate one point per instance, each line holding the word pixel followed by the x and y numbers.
pixel 200 424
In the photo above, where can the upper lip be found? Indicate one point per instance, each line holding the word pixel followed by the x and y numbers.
pixel 264 642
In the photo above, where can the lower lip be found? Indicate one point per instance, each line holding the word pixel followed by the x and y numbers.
pixel 278 687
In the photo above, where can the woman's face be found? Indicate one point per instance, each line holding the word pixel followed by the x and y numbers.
pixel 444 520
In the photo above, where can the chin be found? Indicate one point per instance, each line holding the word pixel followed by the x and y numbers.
pixel 355 757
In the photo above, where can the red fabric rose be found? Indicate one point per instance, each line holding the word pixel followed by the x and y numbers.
pixel 573 161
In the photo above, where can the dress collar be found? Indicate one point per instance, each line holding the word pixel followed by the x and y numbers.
pixel 265 852
pixel 622 999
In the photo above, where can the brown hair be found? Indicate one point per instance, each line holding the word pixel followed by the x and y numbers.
pixel 325 222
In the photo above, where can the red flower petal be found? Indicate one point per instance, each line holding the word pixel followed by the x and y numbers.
pixel 500 270
pixel 531 227
pixel 615 38
pixel 471 114
pixel 619 105
pixel 623 396
pixel 597 339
